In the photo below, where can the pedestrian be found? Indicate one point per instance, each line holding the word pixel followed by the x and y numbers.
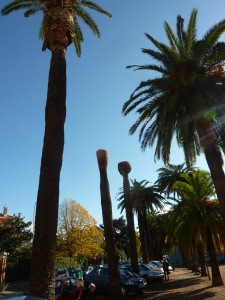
pixel 89 292
pixel 166 269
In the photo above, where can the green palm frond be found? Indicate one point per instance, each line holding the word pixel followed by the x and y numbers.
pixel 157 68
pixel 18 5
pixel 78 38
pixel 174 43
pixel 214 33
pixel 191 31
pixel 86 18
pixel 95 7
pixel 180 30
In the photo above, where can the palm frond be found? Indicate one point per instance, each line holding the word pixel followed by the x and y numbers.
pixel 87 19
pixel 95 7
pixel 18 5
pixel 174 43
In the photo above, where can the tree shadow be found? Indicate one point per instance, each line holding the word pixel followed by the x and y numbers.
pixel 172 289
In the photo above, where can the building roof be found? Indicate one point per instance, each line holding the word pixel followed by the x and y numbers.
pixel 4 215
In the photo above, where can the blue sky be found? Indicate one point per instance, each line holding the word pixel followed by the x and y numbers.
pixel 98 84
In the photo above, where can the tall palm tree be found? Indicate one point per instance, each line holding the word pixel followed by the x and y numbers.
pixel 196 219
pixel 187 100
pixel 59 29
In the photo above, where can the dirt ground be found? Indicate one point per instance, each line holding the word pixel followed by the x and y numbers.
pixel 183 284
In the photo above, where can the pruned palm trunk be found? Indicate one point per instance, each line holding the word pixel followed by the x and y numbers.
pixel 124 169
pixel 216 276
pixel 201 256
pixel 114 278
pixel 44 244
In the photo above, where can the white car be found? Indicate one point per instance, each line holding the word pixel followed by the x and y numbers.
pixel 159 264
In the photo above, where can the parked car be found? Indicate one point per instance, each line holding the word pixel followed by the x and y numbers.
pixel 69 288
pixel 75 272
pixel 130 282
pixel 155 266
pixel 87 269
pixel 66 288
pixel 61 272
pixel 24 297
pixel 159 264
pixel 148 273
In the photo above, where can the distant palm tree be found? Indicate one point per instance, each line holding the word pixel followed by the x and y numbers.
pixel 168 175
pixel 196 219
pixel 145 199
pixel 59 29
pixel 187 100
pixel 158 223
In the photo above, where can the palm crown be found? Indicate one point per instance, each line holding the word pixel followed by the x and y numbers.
pixel 65 12
pixel 191 89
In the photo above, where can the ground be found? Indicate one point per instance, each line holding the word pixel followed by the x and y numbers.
pixel 183 284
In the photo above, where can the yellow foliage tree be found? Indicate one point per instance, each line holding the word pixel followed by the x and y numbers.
pixel 78 234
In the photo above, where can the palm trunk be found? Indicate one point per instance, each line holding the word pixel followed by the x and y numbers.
pixel 216 276
pixel 124 169
pixel 147 234
pixel 114 278
pixel 142 238
pixel 214 160
pixel 201 256
pixel 42 280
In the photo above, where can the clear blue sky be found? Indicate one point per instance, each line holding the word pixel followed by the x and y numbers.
pixel 98 85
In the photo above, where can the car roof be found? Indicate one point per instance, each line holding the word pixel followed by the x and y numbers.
pixel 65 278
pixel 26 297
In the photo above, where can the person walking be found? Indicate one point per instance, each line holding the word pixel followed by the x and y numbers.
pixel 89 292
pixel 166 269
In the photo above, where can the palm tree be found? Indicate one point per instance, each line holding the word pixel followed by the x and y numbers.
pixel 196 220
pixel 158 223
pixel 59 29
pixel 145 199
pixel 168 175
pixel 187 100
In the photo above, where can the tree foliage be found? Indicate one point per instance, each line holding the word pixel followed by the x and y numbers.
pixel 15 235
pixel 15 239
pixel 78 234
pixel 196 219
pixel 121 237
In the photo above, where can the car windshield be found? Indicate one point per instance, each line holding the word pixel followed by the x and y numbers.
pixel 144 267
pixel 126 273
pixel 157 263
pixel 152 265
